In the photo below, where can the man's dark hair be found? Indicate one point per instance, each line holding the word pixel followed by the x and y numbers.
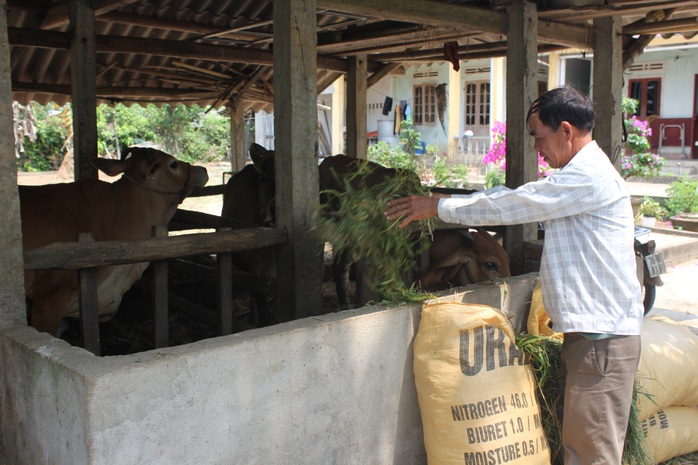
pixel 564 104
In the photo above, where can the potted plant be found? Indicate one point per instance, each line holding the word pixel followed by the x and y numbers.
pixel 682 203
pixel 649 212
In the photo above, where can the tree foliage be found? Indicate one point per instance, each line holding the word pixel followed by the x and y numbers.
pixel 187 132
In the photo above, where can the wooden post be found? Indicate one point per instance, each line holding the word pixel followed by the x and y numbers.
pixel 224 275
pixel 608 88
pixel 338 112
pixel 357 141
pixel 521 89
pixel 12 305
pixel 296 158
pixel 161 307
pixel 89 303
pixel 238 151
pixel 83 80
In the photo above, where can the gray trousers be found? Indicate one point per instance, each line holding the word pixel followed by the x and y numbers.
pixel 596 380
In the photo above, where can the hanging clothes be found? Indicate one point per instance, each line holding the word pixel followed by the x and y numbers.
pixel 408 112
pixel 387 105
pixel 451 54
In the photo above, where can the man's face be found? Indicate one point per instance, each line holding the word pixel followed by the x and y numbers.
pixel 553 146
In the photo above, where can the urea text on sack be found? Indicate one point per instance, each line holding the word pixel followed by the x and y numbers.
pixel 488 346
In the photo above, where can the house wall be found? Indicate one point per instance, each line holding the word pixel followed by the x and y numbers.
pixel 337 388
pixel 678 75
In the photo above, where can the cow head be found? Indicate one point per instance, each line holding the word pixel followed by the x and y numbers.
pixel 155 171
pixel 460 257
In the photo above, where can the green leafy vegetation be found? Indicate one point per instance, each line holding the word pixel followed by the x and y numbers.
pixel 189 132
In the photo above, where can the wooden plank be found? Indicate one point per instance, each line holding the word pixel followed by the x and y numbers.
pixel 89 303
pixel 161 312
pixel 72 255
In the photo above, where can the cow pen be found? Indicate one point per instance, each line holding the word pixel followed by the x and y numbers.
pixel 344 382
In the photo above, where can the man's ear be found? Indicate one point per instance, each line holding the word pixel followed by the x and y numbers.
pixel 568 129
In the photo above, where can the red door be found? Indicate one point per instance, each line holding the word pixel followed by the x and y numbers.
pixel 647 92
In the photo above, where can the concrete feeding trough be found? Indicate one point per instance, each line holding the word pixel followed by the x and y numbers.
pixel 338 388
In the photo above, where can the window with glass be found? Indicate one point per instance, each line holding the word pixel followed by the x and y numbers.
pixel 424 104
pixel 647 93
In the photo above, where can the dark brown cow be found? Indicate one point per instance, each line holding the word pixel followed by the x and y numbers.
pixel 249 197
pixel 455 257
pixel 151 187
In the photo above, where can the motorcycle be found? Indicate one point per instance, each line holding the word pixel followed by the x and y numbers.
pixel 652 263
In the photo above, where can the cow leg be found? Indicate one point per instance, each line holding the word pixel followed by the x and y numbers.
pixel 340 269
pixel 260 312
pixel 365 293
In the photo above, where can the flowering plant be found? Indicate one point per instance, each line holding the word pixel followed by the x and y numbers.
pixel 496 156
pixel 640 161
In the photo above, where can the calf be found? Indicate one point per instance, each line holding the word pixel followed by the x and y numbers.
pixel 151 187
pixel 458 257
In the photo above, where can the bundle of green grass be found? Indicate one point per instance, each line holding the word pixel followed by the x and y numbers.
pixel 353 221
pixel 544 353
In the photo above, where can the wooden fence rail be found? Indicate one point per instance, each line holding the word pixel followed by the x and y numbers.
pixel 85 256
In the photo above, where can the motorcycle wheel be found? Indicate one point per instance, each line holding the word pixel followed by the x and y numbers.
pixel 650 292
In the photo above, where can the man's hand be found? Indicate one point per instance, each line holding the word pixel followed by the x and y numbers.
pixel 413 208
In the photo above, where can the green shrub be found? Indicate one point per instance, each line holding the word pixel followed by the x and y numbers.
pixel 682 197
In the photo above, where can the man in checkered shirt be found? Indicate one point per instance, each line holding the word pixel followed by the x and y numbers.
pixel 587 274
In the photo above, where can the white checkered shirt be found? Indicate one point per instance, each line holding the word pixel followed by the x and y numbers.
pixel 588 271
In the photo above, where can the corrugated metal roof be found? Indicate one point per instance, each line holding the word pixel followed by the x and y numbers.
pixel 165 51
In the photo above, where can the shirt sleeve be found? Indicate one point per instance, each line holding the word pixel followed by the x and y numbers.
pixel 560 195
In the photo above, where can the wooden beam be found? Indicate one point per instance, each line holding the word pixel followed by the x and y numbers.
pixel 74 255
pixel 59 14
pixel 115 92
pixel 425 12
pixel 169 48
pixel 630 8
pixel 662 27
pixel 381 73
pixel 466 18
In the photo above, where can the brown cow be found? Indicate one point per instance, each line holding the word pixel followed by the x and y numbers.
pixel 249 197
pixel 151 187
pixel 458 257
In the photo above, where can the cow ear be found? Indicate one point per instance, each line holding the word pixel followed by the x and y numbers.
pixel 152 168
pixel 258 154
pixel 108 166
pixel 467 235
